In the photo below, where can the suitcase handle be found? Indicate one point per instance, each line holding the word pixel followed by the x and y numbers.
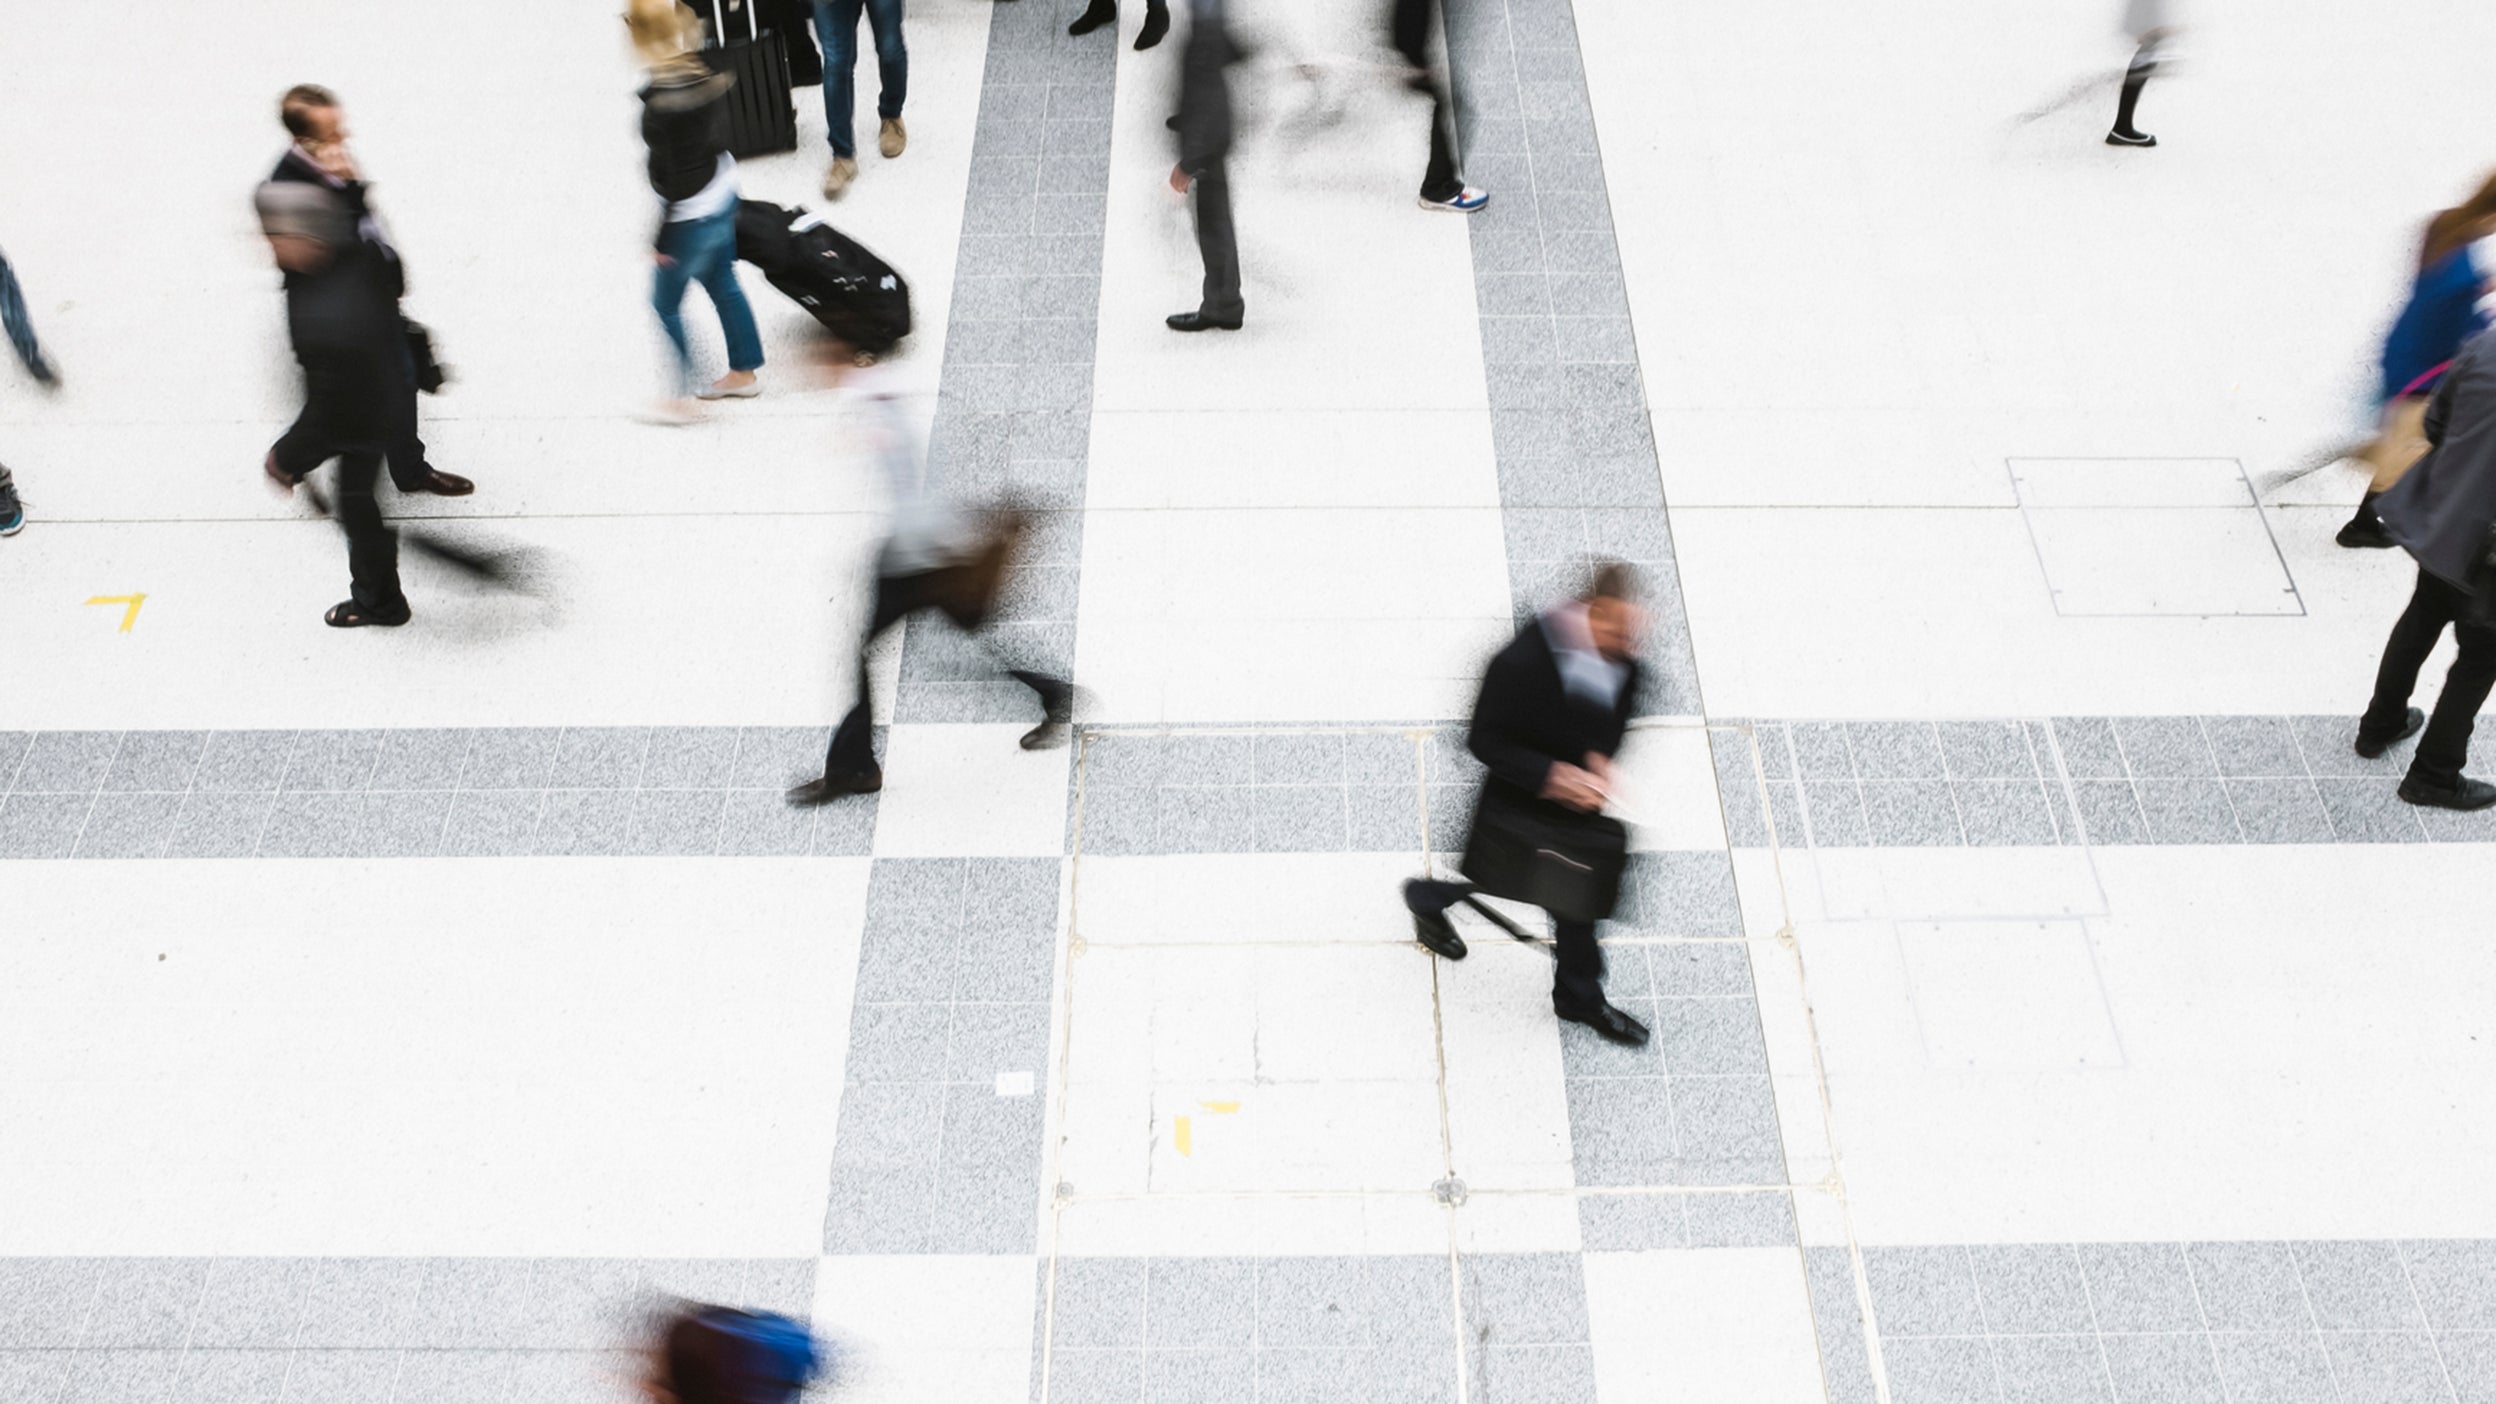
pixel 753 20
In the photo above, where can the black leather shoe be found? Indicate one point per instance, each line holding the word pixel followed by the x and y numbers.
pixel 1434 930
pixel 1098 13
pixel 442 484
pixel 1198 321
pixel 2464 793
pixel 1608 1021
pixel 2365 534
pixel 2372 747
pixel 831 787
pixel 1156 24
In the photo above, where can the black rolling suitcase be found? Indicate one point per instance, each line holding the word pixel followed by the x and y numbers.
pixel 762 113
pixel 852 292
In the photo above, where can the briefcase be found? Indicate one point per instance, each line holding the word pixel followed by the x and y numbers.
pixel 762 112
pixel 1566 863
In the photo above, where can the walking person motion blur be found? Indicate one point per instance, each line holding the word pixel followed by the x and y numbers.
pixel 1553 709
pixel 21 331
pixel 2443 511
pixel 684 121
pixel 1105 12
pixel 720 1355
pixel 1442 185
pixel 1204 124
pixel 836 26
pixel 2452 300
pixel 935 558
pixel 2151 26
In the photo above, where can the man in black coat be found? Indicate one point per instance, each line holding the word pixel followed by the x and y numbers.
pixel 1204 167
pixel 2443 511
pixel 1553 709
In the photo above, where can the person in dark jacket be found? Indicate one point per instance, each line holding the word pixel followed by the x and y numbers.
pixel 1553 708
pixel 2443 512
pixel 1204 167
pixel 1443 186
pixel 684 121
pixel 340 288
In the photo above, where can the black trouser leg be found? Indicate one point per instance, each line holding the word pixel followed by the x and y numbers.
pixel 2432 605
pixel 406 451
pixel 1409 27
pixel 1218 242
pixel 372 547
pixel 2445 745
pixel 1054 693
pixel 1430 896
pixel 1578 983
pixel 853 742
pixel 2135 77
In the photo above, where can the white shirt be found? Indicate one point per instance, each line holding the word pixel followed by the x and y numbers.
pixel 710 199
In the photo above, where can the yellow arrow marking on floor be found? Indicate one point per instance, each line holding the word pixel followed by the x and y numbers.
pixel 129 616
pixel 1180 1130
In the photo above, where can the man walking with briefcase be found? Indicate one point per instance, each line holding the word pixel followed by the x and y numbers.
pixel 1553 709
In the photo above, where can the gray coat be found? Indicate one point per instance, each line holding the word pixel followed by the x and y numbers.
pixel 2441 509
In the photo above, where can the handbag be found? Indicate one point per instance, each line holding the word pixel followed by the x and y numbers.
pixel 1567 863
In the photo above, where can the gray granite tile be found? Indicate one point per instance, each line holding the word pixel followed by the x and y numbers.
pixel 1128 759
pixel 492 823
pixel 691 758
pixel 1894 751
pixel 988 1039
pixel 509 758
pixel 244 761
pixel 1629 1223
pixel 2456 1281
pixel 233 1376
pixel 314 824
pixel 2254 747
pixel 843 830
pixel 2003 813
pixel 1621 1130
pixel 1923 1291
pixel 44 1301
pixel 1202 1376
pixel 156 760
pixel 129 825
pixel 2370 811
pixel 67 762
pixel 758 823
pixel 1525 1298
pixel 776 757
pixel 1709 1037
pixel 1702 968
pixel 1097 1302
pixel 1209 759
pixel 13 747
pixel 2386 1367
pixel 2450 826
pixel 2110 813
pixel 2470 1364
pixel 1836 816
pixel 881 1211
pixel 2031 1289
pixel 2355 1286
pixel 2276 1367
pixel 2051 1370
pixel 1784 824
pixel 360 1303
pixel 1986 750
pixel 598 758
pixel 585 823
pixel 1911 814
pixel 406 824
pixel 685 823
pixel 1383 818
pixel 1119 819
pixel 2163 1369
pixel 342 1377
pixel 784 1285
pixel 121 1377
pixel 2186 811
pixel 2140 1287
pixel 982 1129
pixel 2171 747
pixel 1206 819
pixel 472 1304
pixel 1754 1220
pixel 1092 1376
pixel 1546 1374
pixel 2279 811
pixel 332 760
pixel 2328 746
pixel 1939 1370
pixel 144 1303
pixel 1584 1055
pixel 418 760
pixel 1681 893
pixel 897 1043
pixel 1312 1303
pixel 2087 748
pixel 1727 1130
pixel 888 1126
pixel 252 1302
pixel 1300 818
pixel 1845 1366
pixel 1821 751
pixel 2248 1287
pixel 42 825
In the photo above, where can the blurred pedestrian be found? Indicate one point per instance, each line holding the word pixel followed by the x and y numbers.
pixel 936 557
pixel 1443 186
pixel 684 121
pixel 2443 511
pixel 1104 12
pixel 21 332
pixel 1553 709
pixel 2150 25
pixel 720 1355
pixel 836 25
pixel 2450 301
pixel 1204 124
pixel 320 158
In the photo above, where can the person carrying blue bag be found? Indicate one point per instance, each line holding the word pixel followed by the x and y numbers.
pixel 721 1355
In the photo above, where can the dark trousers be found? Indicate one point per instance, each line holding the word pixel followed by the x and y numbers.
pixel 1410 27
pixel 348 415
pixel 2445 746
pixel 897 597
pixel 1218 242
pixel 1578 983
pixel 13 318
pixel 404 449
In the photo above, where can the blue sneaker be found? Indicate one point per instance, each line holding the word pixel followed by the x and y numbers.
pixel 1464 201
pixel 12 511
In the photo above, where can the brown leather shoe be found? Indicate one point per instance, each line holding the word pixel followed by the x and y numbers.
pixel 442 484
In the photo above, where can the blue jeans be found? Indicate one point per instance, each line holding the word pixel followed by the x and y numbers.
pixel 836 28
pixel 705 251
pixel 13 316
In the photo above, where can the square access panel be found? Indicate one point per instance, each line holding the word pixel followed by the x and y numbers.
pixel 2123 537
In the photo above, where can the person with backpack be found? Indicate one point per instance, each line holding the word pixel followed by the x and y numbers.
pixel 684 121
pixel 721 1355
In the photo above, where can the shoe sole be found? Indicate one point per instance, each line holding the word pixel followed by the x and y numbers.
pixel 751 392
pixel 13 528
pixel 1444 208
pixel 2373 750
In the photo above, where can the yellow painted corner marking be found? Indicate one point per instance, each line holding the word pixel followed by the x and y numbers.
pixel 1224 1108
pixel 1179 1133
pixel 129 616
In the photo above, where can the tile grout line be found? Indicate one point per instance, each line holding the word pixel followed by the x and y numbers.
pixel 2435 1338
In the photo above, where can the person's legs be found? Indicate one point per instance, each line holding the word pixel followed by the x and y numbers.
pixel 405 450
pixel 1218 243
pixel 372 547
pixel 892 57
pixel 2432 605
pixel 20 327
pixel 1577 985
pixel 667 298
pixel 1096 14
pixel 836 29
pixel 852 752
pixel 2135 77
pixel 2445 747
pixel 712 258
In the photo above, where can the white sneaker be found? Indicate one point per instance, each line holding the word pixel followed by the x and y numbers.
pixel 720 389
pixel 1464 201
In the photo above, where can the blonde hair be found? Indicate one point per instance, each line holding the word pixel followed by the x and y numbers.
pixel 662 29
